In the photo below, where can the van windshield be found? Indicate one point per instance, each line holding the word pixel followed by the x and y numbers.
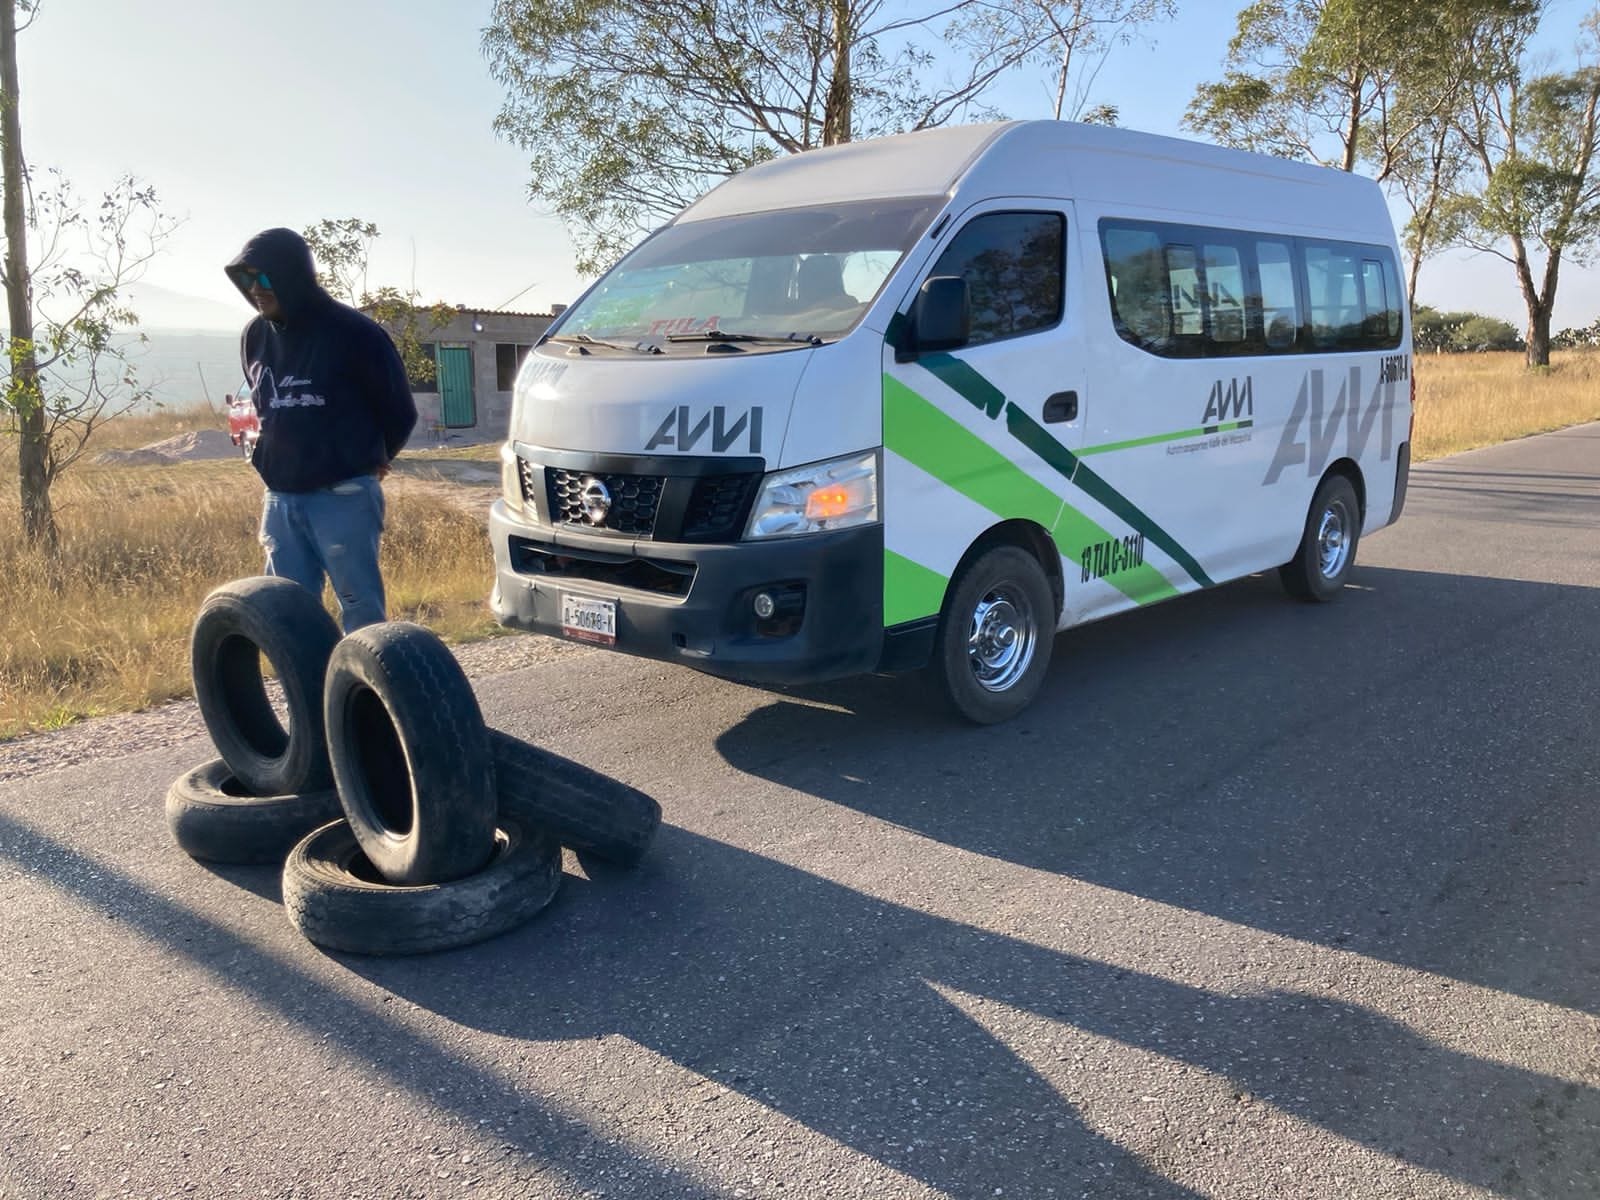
pixel 795 275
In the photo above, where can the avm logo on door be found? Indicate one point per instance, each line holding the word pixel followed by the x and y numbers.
pixel 1230 401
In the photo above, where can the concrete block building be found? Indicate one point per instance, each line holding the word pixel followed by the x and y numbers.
pixel 476 355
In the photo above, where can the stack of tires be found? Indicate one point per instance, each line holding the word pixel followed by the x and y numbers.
pixel 407 825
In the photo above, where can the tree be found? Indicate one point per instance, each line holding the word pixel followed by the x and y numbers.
pixel 631 109
pixel 1089 29
pixel 341 249
pixel 1305 77
pixel 68 369
pixel 1428 167
pixel 1434 330
pixel 1587 337
pixel 1533 143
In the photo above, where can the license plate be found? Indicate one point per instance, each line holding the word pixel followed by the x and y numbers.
pixel 589 620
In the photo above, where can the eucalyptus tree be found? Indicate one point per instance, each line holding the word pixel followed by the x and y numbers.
pixel 1532 141
pixel 1378 85
pixel 630 109
pixel 68 264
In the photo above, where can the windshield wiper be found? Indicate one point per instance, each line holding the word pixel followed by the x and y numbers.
pixel 728 335
pixel 583 339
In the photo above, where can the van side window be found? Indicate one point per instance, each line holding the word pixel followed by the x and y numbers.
pixel 1179 290
pixel 1280 307
pixel 1136 273
pixel 1337 314
pixel 1225 295
pixel 1014 264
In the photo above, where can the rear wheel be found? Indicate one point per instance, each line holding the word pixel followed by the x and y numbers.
pixel 1328 545
pixel 995 635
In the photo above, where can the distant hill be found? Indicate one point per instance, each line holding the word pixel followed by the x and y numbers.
pixel 182 367
pixel 163 308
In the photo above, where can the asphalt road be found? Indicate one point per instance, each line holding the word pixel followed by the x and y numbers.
pixel 1260 900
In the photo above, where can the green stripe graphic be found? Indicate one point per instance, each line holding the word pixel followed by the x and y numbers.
pixel 1036 438
pixel 962 379
pixel 1157 438
pixel 988 399
pixel 910 590
pixel 918 431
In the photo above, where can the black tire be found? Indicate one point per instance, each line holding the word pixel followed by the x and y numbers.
pixel 583 809
pixel 1001 594
pixel 238 623
pixel 1327 549
pixel 410 754
pixel 337 899
pixel 213 818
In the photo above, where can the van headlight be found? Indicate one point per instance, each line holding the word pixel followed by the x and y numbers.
pixel 835 494
pixel 510 478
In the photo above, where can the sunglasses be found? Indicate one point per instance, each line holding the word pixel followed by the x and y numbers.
pixel 252 276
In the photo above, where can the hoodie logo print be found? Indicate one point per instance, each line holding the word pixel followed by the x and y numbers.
pixel 264 386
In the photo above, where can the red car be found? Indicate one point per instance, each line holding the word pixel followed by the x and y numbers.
pixel 244 423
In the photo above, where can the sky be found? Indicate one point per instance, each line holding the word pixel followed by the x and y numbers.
pixel 248 116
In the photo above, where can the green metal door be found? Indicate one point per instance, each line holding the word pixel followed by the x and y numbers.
pixel 456 406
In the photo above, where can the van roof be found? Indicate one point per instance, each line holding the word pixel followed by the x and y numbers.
pixel 928 162
pixel 1122 167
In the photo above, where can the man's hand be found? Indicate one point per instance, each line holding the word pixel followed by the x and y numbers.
pixel 383 471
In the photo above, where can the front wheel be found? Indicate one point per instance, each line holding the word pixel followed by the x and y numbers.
pixel 995 636
pixel 1328 545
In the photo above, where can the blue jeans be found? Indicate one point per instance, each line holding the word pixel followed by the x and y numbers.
pixel 333 531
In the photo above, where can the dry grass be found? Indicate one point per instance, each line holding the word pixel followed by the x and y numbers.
pixel 1470 400
pixel 142 545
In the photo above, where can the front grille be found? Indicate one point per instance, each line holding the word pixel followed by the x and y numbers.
pixel 706 501
pixel 718 507
pixel 634 500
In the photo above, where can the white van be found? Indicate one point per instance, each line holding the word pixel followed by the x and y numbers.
pixel 928 399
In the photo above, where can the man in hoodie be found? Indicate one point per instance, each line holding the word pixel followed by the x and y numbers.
pixel 335 409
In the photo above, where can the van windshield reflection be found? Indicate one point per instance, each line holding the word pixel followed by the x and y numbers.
pixel 774 280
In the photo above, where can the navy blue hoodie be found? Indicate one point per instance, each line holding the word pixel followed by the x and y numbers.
pixel 327 380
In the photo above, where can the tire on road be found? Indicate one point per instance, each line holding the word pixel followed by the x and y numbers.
pixel 238 623
pixel 583 809
pixel 1327 549
pixel 995 635
pixel 337 899
pixel 213 818
pixel 410 754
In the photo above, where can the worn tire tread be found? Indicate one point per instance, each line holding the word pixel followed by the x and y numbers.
pixel 213 826
pixel 583 809
pixel 339 911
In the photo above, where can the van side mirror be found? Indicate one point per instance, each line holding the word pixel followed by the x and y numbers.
pixel 941 317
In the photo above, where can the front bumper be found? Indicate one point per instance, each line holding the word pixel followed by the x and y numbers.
pixel 694 604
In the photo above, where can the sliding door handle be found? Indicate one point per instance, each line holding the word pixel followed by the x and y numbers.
pixel 1063 406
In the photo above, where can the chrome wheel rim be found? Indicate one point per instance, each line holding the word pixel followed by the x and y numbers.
pixel 1333 540
pixel 1002 637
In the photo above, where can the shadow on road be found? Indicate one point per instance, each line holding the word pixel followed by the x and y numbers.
pixel 434 1074
pixel 829 1006
pixel 1400 773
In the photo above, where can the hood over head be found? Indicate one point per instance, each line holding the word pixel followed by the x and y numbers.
pixel 286 260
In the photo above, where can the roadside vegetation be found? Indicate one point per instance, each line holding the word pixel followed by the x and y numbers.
pixel 107 628
pixel 1470 400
